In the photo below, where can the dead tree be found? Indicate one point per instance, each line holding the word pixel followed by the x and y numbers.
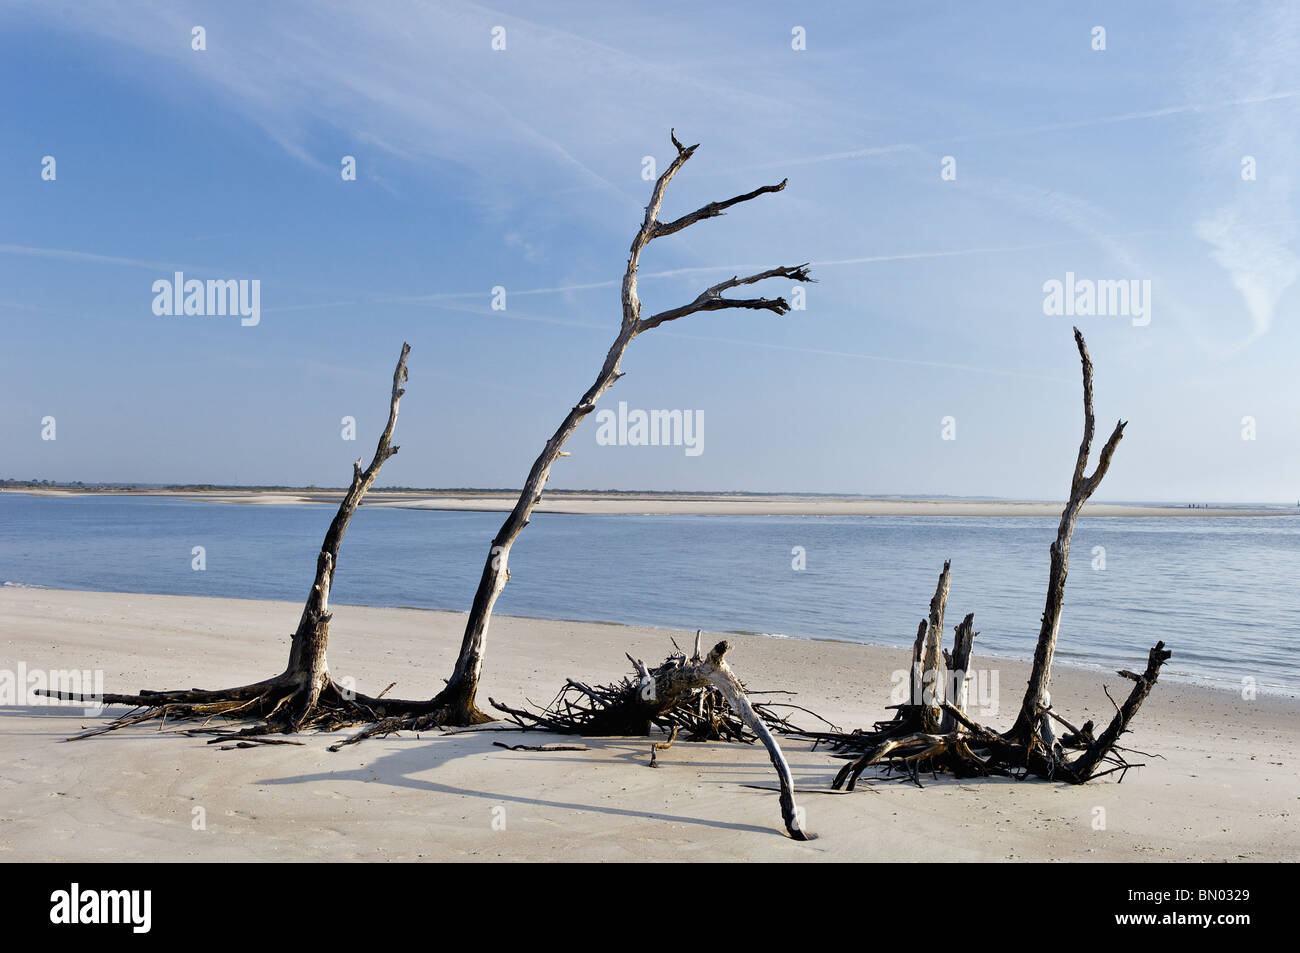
pixel 933 731
pixel 457 702
pixel 303 696
pixel 677 685
pixel 1082 486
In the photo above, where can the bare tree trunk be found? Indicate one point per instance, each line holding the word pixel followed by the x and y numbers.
pixel 918 673
pixel 307 665
pixel 459 696
pixel 1081 487
pixel 461 691
pixel 958 664
pixel 288 701
pixel 910 742
pixel 931 677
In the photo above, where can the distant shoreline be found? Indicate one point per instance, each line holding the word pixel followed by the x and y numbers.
pixel 668 504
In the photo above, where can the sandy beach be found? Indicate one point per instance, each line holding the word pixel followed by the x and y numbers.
pixel 680 504
pixel 1223 787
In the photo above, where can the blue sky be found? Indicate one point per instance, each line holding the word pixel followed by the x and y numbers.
pixel 523 168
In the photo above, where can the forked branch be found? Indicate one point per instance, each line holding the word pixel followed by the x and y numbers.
pixel 710 299
pixel 1082 486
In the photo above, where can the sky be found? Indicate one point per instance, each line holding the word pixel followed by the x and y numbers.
pixel 946 162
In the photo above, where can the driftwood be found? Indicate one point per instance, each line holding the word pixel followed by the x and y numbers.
pixel 698 696
pixel 457 702
pixel 304 696
pixel 934 732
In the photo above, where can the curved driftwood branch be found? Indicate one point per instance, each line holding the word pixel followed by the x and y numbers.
pixel 719 675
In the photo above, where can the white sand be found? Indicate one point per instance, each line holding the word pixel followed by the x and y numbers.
pixel 1226 788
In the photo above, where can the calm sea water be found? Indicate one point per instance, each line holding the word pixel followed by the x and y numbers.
pixel 1222 592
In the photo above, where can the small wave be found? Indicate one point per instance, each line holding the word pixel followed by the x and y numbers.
pixel 20 585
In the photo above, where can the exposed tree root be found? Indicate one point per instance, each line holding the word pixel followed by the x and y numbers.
pixel 974 750
pixel 304 697
pixel 264 708
pixel 697 697
pixel 933 732
pixel 663 698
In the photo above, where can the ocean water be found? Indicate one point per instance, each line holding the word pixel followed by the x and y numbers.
pixel 1221 592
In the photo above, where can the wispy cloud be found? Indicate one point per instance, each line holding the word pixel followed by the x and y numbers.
pixel 85 257
pixel 1163 112
pixel 1258 54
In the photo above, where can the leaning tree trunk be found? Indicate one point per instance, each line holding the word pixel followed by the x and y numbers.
pixel 460 694
pixel 307 665
pixel 303 695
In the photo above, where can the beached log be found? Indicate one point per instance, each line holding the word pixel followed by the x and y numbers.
pixel 700 696
pixel 304 695
pixel 915 740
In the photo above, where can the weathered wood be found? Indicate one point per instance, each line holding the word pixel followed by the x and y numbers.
pixel 914 696
pixel 297 696
pixel 680 694
pixel 1081 487
pixel 1031 748
pixel 931 676
pixel 958 666
pixel 459 696
pixel 719 675
pixel 1087 763
pixel 307 664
